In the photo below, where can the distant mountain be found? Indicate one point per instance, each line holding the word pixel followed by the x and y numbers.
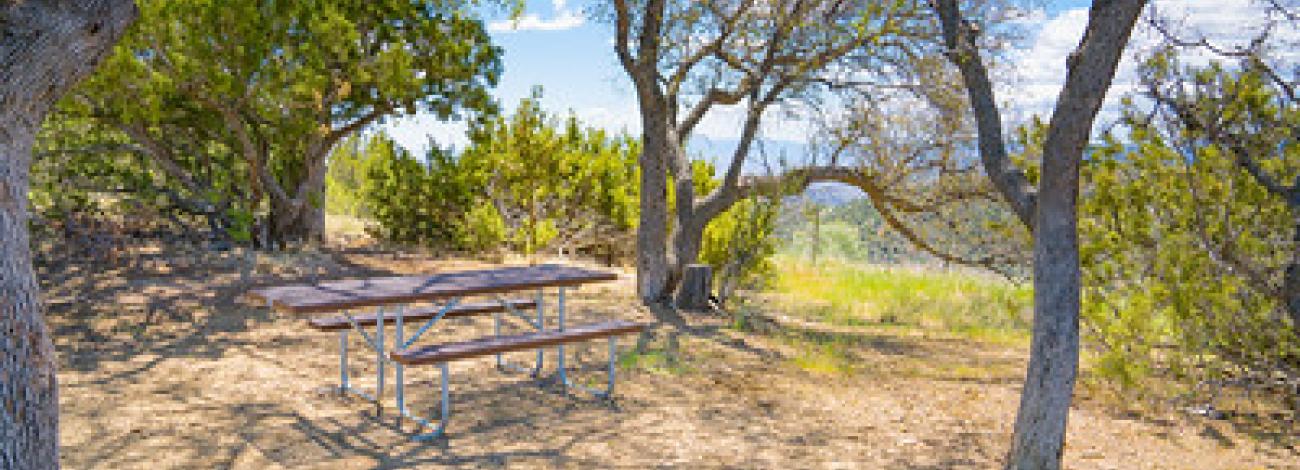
pixel 832 194
pixel 774 156
pixel 766 156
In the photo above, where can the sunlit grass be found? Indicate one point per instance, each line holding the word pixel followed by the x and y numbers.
pixel 345 226
pixel 824 358
pixel 962 302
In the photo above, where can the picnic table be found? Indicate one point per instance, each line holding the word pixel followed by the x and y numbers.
pixel 390 298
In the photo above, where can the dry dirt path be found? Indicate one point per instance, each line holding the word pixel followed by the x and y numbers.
pixel 167 367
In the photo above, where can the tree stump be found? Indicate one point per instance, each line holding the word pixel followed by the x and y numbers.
pixel 694 291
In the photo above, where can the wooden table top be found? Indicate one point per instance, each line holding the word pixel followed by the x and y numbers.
pixel 335 296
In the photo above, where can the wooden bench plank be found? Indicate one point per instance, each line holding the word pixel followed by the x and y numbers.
pixel 440 353
pixel 334 296
pixel 418 314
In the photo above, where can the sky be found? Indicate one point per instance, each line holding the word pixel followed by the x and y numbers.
pixel 554 45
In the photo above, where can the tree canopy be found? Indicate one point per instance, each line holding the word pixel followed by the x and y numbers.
pixel 237 104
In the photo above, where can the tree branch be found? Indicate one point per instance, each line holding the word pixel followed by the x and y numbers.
pixel 959 39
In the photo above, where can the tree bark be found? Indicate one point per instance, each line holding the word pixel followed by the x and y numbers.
pixel 652 267
pixel 45 48
pixel 290 223
pixel 1051 212
pixel 1041 421
pixel 696 287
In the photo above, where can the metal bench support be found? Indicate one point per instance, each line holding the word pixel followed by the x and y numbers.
pixel 438 430
pixel 538 324
pixel 563 373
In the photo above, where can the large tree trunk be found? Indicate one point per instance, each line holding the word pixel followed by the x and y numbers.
pixel 1054 350
pixel 291 224
pixel 652 267
pixel 1041 421
pixel 45 48
pixel 1051 212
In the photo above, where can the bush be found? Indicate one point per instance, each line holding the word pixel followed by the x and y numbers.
pixel 1184 251
pixel 414 202
pixel 739 244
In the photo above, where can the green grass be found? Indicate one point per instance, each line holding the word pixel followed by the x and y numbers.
pixel 651 360
pixel 962 302
pixel 830 357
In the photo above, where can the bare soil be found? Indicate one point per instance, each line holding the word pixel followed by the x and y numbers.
pixel 165 364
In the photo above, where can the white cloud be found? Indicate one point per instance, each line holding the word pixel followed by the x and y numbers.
pixel 564 20
pixel 779 123
pixel 414 133
pixel 1033 75
pixel 625 118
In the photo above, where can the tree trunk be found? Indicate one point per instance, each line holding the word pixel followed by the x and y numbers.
pixel 695 288
pixel 29 416
pixel 290 224
pixel 687 241
pixel 1054 350
pixel 1041 421
pixel 1291 279
pixel 45 48
pixel 652 269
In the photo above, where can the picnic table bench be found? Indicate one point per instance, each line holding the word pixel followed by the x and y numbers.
pixel 340 298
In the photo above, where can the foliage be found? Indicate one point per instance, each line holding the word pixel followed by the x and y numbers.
pixel 528 182
pixel 413 201
pixel 347 176
pixel 739 244
pixel 236 104
pixel 555 183
pixel 1181 246
pixel 483 230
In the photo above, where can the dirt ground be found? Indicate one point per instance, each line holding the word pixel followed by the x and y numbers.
pixel 165 364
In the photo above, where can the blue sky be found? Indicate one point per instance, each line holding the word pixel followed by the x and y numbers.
pixel 553 45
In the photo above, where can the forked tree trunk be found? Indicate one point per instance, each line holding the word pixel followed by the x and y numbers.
pixel 1051 212
pixel 1042 418
pixel 46 46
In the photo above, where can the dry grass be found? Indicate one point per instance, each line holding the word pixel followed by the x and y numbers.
pixel 165 365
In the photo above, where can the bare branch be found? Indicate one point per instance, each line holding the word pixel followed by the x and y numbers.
pixel 959 39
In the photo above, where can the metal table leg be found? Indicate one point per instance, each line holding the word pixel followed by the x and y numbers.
pixel 559 306
pixel 398 367
pixel 379 361
pixel 541 326
pixel 343 361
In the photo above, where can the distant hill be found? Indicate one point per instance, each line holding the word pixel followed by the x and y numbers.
pixel 774 154
pixel 831 194
pixel 769 154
